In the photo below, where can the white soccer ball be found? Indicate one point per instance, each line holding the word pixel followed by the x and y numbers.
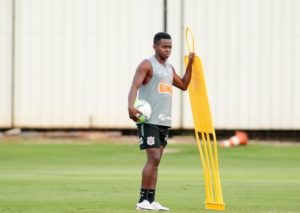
pixel 143 107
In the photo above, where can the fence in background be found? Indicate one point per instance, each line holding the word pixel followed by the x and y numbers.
pixel 69 64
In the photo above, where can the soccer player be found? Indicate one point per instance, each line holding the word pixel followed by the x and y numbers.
pixel 153 81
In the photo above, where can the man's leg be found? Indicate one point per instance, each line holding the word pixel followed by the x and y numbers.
pixel 149 175
pixel 150 136
pixel 149 178
pixel 155 173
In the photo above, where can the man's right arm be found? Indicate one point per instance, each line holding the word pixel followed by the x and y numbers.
pixel 142 71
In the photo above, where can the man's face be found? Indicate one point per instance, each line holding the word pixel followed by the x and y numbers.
pixel 163 48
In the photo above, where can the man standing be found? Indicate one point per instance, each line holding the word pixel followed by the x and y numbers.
pixel 153 79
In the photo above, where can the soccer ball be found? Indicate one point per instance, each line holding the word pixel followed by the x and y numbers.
pixel 145 108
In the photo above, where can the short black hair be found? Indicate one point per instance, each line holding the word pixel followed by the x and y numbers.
pixel 160 35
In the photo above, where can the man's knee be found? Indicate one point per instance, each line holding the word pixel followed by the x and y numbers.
pixel 154 161
pixel 154 157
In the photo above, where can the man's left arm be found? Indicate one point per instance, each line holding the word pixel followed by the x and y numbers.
pixel 183 83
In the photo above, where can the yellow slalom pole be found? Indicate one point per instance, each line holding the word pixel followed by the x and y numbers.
pixel 213 166
pixel 206 179
pixel 208 169
pixel 203 125
pixel 220 195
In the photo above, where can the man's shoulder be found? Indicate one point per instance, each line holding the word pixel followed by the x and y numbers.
pixel 146 61
pixel 145 64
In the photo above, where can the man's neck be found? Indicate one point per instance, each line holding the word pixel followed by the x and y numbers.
pixel 160 60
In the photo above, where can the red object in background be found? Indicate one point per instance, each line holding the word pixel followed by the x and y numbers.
pixel 240 138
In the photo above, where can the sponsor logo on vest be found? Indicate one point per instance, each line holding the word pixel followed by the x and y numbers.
pixel 162 117
pixel 150 140
pixel 163 87
pixel 163 73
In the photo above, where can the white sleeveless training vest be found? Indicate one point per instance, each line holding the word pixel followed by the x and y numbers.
pixel 158 93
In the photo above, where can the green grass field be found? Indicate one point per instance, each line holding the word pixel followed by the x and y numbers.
pixel 105 177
